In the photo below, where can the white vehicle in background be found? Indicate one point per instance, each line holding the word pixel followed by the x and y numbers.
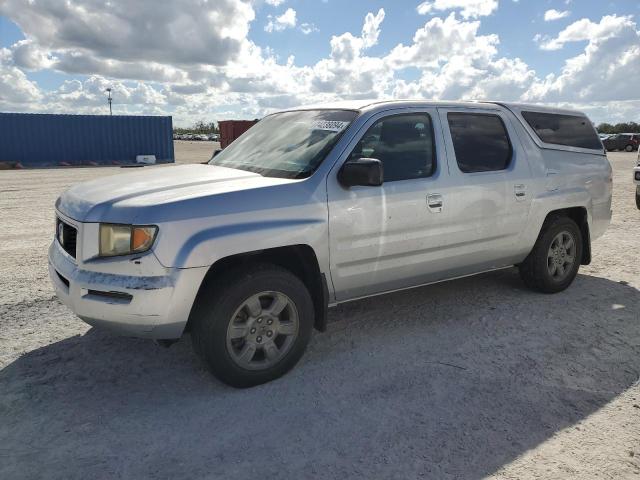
pixel 313 207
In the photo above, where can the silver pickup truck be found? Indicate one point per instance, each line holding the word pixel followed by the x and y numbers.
pixel 321 205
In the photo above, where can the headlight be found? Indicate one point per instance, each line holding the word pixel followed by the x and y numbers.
pixel 118 239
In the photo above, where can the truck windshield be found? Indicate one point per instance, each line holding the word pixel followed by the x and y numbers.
pixel 288 144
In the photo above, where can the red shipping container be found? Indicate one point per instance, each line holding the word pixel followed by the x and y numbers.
pixel 232 129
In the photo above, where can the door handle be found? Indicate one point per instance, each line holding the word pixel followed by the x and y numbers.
pixel 435 202
pixel 520 191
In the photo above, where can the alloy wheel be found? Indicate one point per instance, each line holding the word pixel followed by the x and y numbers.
pixel 262 330
pixel 561 256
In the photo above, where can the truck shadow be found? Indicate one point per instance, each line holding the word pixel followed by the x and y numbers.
pixel 453 380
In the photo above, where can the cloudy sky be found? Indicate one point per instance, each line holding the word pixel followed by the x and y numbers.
pixel 218 59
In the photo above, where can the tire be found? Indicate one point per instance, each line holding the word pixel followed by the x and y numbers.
pixel 537 270
pixel 231 316
pixel 638 199
pixel 628 148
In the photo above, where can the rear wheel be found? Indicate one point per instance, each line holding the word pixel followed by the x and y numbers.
pixel 638 199
pixel 555 259
pixel 256 327
pixel 628 148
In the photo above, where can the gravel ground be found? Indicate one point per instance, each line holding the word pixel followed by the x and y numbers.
pixel 472 378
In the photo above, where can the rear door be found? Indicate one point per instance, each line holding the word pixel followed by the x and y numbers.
pixel 489 198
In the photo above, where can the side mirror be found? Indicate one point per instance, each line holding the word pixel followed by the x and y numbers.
pixel 367 172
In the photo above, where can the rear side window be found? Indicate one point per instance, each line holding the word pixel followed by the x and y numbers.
pixel 480 142
pixel 569 130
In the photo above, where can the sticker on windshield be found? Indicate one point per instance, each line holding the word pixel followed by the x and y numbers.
pixel 330 125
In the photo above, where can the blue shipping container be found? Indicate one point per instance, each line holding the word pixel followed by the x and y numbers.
pixel 44 140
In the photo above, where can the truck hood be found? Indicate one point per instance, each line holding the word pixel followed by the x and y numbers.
pixel 120 198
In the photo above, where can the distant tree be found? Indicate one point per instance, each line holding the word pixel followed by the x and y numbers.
pixel 625 127
pixel 622 127
pixel 199 127
pixel 634 127
pixel 605 128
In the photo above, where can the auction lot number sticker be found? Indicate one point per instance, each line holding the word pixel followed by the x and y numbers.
pixel 330 125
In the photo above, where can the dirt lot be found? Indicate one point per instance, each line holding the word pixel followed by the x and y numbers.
pixel 194 152
pixel 468 379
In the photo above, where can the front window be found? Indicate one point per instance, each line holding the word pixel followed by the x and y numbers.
pixel 288 144
pixel 403 143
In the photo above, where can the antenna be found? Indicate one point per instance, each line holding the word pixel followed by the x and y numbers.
pixel 109 99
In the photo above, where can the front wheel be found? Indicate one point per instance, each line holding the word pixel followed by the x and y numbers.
pixel 554 261
pixel 255 325
pixel 638 199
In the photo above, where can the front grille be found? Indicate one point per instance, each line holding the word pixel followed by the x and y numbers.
pixel 125 297
pixel 67 237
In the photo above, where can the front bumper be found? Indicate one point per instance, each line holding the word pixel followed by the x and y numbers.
pixel 133 304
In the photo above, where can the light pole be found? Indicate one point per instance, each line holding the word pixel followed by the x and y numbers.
pixel 108 90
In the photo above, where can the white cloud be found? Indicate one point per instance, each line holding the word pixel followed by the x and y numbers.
pixel 603 72
pixel 468 8
pixel 553 14
pixel 347 73
pixel 26 54
pixel 181 32
pixel 584 29
pixel 286 20
pixel 438 41
pixel 16 89
pixel 371 28
pixel 446 58
pixel 458 63
pixel 308 28
pixel 275 3
pixel 75 95
pixel 611 111
pixel 347 47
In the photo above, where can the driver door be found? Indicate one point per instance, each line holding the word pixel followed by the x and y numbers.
pixel 385 237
